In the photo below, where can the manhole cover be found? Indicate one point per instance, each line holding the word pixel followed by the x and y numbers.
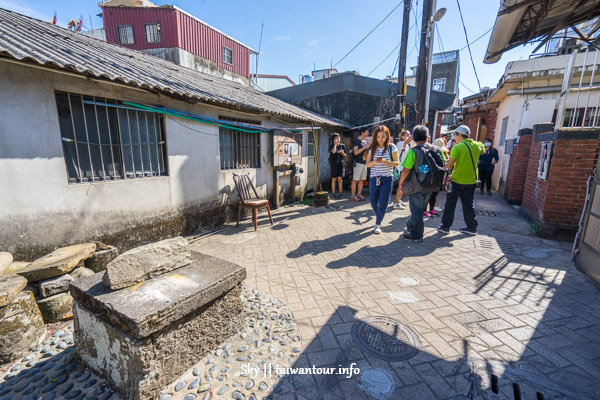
pixel 385 338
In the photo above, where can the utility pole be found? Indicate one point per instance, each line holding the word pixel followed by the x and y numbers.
pixel 424 61
pixel 402 69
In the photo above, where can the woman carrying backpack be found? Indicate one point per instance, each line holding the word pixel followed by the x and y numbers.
pixel 381 157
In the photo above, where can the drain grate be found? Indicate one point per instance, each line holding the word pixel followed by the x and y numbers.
pixel 508 247
pixel 485 213
pixel 386 338
pixel 486 244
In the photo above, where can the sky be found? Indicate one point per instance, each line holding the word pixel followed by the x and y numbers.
pixel 300 36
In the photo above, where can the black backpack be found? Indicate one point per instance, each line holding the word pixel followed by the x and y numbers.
pixel 430 173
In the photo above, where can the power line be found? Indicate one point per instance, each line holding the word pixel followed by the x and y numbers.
pixel 368 34
pixel 468 44
pixel 488 31
pixel 466 87
pixel 385 59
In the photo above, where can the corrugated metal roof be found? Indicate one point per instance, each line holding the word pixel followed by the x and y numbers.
pixel 34 41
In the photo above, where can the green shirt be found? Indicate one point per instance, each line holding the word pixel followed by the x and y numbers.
pixel 464 171
pixel 409 160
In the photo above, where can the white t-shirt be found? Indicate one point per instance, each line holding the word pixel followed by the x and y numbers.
pixel 403 149
pixel 383 169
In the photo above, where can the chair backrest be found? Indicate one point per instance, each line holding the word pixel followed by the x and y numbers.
pixel 244 187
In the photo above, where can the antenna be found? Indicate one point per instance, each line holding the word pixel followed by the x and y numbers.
pixel 259 45
pixel 91 24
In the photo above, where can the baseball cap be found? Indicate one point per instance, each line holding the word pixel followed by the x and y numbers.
pixel 461 130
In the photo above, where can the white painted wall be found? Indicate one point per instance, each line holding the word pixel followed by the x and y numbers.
pixel 37 205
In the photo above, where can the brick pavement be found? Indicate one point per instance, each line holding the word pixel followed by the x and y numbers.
pixel 503 303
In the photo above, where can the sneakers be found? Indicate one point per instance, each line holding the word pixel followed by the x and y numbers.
pixel 377 229
pixel 398 206
pixel 467 231
pixel 427 214
pixel 336 195
pixel 438 209
pixel 489 192
pixel 433 213
pixel 354 198
pixel 407 236
pixel 443 229
pixel 360 197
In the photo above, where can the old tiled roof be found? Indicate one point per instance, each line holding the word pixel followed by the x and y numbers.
pixel 38 42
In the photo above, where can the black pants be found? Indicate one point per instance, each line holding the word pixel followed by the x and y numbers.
pixel 432 200
pixel 486 179
pixel 466 193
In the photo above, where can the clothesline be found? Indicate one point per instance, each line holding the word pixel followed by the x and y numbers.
pixel 373 123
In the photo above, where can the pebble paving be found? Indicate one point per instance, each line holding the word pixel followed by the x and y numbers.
pixel 269 336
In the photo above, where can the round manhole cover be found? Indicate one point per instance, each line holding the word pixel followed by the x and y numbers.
pixel 385 338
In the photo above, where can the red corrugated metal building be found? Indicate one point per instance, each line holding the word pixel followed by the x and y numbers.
pixel 143 28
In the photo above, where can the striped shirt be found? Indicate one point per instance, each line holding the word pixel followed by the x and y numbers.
pixel 383 169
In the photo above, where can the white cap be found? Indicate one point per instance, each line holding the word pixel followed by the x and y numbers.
pixel 461 130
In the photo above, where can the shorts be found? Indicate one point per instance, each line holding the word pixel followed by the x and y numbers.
pixel 337 170
pixel 359 172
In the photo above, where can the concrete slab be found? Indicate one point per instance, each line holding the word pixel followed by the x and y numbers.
pixel 146 308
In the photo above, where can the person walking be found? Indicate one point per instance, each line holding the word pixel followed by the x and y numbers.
pixel 359 172
pixel 403 147
pixel 432 209
pixel 422 174
pixel 463 180
pixel 337 152
pixel 487 161
pixel 381 157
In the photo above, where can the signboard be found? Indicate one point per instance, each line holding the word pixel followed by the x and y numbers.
pixel 287 148
pixel 545 156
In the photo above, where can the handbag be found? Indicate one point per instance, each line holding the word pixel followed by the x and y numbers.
pixel 396 171
pixel 477 181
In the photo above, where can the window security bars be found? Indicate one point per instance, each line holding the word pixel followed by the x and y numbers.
pixel 439 84
pixel 125 33
pixel 152 33
pixel 239 149
pixel 579 104
pixel 227 55
pixel 105 141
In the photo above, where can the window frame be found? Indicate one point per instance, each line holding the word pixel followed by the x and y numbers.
pixel 158 32
pixel 503 130
pixel 132 35
pixel 439 79
pixel 239 150
pixel 231 50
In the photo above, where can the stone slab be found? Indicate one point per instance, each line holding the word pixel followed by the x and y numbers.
pixel 81 272
pixel 154 304
pixel 15 267
pixel 56 308
pixel 100 259
pixel 59 262
pixel 5 260
pixel 21 327
pixel 10 286
pixel 52 286
pixel 145 262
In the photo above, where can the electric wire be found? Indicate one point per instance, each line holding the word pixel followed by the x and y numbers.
pixel 486 32
pixel 468 44
pixel 385 59
pixel 368 34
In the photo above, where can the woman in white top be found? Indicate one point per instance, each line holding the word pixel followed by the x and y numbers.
pixel 381 157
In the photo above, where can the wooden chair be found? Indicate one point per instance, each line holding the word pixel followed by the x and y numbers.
pixel 249 198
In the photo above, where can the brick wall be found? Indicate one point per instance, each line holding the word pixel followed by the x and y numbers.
pixel 472 121
pixel 557 202
pixel 517 168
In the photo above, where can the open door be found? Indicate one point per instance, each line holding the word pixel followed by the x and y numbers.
pixel 311 178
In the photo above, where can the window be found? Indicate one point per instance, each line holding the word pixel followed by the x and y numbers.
pixel 152 33
pixel 227 55
pixel 239 149
pixel 439 84
pixel 503 131
pixel 105 141
pixel 125 33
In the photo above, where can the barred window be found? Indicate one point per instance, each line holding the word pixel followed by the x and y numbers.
pixel 239 149
pixel 227 55
pixel 106 141
pixel 125 33
pixel 152 33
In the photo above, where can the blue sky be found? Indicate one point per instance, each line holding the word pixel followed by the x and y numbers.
pixel 300 35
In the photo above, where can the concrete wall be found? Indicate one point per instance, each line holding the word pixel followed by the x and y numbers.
pixel 40 210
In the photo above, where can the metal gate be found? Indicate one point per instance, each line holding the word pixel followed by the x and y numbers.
pixel 588 259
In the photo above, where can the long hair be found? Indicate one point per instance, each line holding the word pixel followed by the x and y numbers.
pixel 374 145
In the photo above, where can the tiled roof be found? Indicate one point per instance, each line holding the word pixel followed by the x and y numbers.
pixel 34 41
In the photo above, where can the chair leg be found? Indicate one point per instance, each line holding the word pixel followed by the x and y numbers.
pixel 239 215
pixel 254 218
pixel 269 211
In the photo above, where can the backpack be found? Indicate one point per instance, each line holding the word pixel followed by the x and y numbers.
pixel 428 170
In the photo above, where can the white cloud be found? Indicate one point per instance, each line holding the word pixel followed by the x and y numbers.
pixel 313 43
pixel 282 38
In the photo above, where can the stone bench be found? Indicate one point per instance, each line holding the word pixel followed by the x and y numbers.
pixel 143 337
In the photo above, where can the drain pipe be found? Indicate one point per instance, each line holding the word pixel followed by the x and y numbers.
pixel 575 249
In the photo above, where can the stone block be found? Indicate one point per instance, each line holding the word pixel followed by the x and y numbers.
pixel 81 272
pixel 52 286
pixel 21 327
pixel 145 262
pixel 10 286
pixel 15 267
pixel 5 260
pixel 56 308
pixel 142 338
pixel 59 262
pixel 100 259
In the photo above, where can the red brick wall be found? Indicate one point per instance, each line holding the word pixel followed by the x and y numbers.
pixel 517 168
pixel 556 203
pixel 472 121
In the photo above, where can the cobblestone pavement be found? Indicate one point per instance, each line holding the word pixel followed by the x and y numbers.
pixel 503 303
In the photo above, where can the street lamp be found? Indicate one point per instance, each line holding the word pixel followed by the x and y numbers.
pixel 439 14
